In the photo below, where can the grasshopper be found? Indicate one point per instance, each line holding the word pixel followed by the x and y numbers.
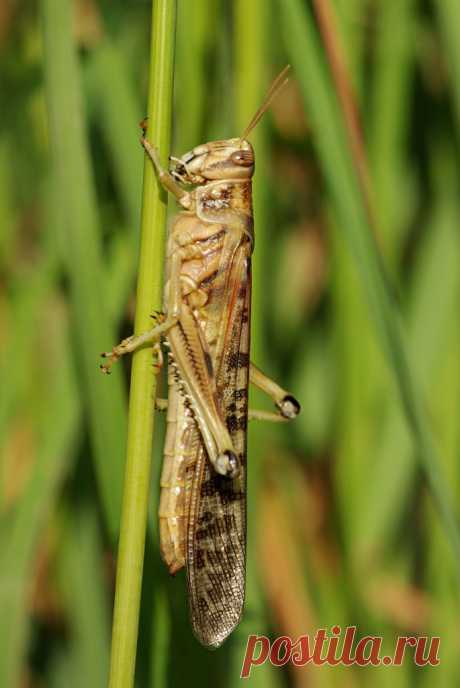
pixel 206 327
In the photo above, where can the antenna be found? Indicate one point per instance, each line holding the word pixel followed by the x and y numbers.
pixel 280 81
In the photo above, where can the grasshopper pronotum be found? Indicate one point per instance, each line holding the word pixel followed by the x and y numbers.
pixel 206 327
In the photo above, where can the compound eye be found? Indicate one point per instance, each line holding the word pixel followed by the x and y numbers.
pixel 178 171
pixel 243 158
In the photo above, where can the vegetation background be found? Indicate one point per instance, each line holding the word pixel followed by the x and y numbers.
pixel 353 506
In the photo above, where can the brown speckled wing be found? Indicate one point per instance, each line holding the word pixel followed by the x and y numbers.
pixel 216 534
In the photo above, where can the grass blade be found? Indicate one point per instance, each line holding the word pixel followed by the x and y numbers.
pixel 19 547
pixel 252 79
pixel 331 142
pixel 432 311
pixel 449 19
pixel 82 585
pixel 143 383
pixel 81 253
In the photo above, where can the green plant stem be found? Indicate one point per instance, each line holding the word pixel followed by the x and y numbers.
pixel 143 382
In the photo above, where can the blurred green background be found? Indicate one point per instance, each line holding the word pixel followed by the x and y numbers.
pixel 343 527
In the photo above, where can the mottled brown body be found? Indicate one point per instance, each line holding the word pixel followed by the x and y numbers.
pixel 206 325
pixel 203 514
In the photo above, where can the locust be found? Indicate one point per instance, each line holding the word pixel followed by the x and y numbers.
pixel 205 326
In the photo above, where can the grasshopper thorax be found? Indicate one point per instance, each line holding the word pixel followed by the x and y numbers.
pixel 228 159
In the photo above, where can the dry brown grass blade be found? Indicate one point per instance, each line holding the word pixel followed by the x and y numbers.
pixel 285 582
pixel 327 22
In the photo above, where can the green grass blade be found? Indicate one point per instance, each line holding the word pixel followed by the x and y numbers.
pixel 143 383
pixel 118 113
pixel 7 213
pixel 81 253
pixel 25 310
pixel 194 36
pixel 449 20
pixel 61 671
pixel 440 582
pixel 159 649
pixel 82 586
pixel 331 143
pixel 431 318
pixel 390 102
pixel 252 79
pixel 52 461
pixel 358 389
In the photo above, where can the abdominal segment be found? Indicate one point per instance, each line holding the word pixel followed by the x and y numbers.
pixel 178 468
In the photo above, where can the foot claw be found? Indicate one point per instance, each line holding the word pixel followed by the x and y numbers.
pixel 112 358
pixel 289 407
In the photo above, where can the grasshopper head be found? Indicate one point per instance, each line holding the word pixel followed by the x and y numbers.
pixel 230 159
